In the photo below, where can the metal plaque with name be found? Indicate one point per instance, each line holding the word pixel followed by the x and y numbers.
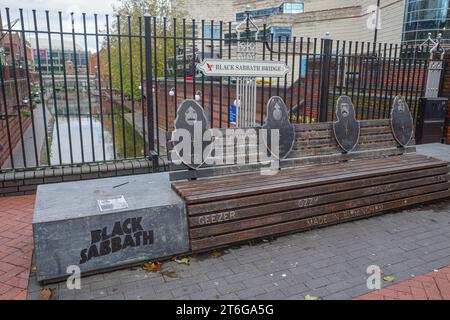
pixel 401 121
pixel 112 204
pixel 277 118
pixel 190 124
pixel 346 128
pixel 243 68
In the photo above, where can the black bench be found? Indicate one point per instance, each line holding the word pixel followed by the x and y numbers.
pixel 324 180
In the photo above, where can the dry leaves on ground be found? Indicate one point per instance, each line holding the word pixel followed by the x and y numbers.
pixel 217 253
pixel 152 266
pixel 45 294
pixel 388 278
pixel 184 260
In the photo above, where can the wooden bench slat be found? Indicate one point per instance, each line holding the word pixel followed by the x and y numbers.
pixel 229 194
pixel 334 158
pixel 292 173
pixel 212 185
pixel 223 205
pixel 209 185
pixel 180 172
pixel 308 223
pixel 327 203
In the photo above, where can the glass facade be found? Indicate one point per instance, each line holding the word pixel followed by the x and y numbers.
pixel 212 32
pixel 282 33
pixel 423 17
pixel 45 56
pixel 285 8
pixel 292 7
pixel 278 33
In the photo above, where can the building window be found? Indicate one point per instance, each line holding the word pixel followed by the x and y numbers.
pixel 286 7
pixel 281 33
pixel 293 7
pixel 233 37
pixel 212 32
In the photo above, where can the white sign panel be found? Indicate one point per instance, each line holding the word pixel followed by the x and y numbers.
pixel 243 68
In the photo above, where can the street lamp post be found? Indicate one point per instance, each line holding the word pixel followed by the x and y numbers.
pixel 377 17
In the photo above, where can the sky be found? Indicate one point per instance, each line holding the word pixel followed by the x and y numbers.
pixel 101 7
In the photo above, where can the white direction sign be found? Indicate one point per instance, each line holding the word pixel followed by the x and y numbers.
pixel 243 68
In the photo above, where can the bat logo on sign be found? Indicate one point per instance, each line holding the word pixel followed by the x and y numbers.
pixel 210 66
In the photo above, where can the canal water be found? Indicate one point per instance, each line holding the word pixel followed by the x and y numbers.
pixel 72 140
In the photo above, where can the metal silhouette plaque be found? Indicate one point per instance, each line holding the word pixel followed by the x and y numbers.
pixel 401 121
pixel 346 128
pixel 277 118
pixel 188 137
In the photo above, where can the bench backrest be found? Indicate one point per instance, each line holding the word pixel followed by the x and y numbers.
pixel 314 144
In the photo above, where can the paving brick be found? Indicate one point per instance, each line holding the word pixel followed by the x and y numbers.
pixel 217 283
pixel 220 274
pixel 16 244
pixel 230 296
pixel 186 290
pixel 295 289
pixel 273 295
pixel 317 283
pixel 250 293
pixel 338 296
pixel 210 294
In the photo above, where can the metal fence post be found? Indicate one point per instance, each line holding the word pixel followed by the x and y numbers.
pixel 327 45
pixel 149 94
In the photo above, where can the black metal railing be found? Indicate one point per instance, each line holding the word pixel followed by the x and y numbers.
pixel 97 89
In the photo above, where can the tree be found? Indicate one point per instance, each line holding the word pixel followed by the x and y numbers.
pixel 129 21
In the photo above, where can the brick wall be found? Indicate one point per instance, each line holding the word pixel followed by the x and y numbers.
pixel 26 182
pixel 14 123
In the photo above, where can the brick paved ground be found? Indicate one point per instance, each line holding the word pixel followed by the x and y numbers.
pixel 329 263
pixel 431 286
pixel 16 246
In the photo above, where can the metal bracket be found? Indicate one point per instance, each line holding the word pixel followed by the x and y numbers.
pixel 6 117
pixel 437 48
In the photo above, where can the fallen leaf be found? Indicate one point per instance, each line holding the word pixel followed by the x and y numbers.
pixel 170 274
pixel 45 294
pixel 310 297
pixel 388 278
pixel 184 260
pixel 152 266
pixel 217 253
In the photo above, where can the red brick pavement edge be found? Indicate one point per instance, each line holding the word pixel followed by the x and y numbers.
pixel 431 286
pixel 16 245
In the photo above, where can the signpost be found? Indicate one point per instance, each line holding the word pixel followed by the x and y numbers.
pixel 245 69
pixel 242 68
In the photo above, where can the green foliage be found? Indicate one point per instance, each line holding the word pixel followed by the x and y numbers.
pixel 26 113
pixel 132 138
pixel 293 118
pixel 120 59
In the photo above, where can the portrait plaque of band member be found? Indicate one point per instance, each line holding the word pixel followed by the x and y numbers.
pixel 277 118
pixel 188 140
pixel 346 128
pixel 401 121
